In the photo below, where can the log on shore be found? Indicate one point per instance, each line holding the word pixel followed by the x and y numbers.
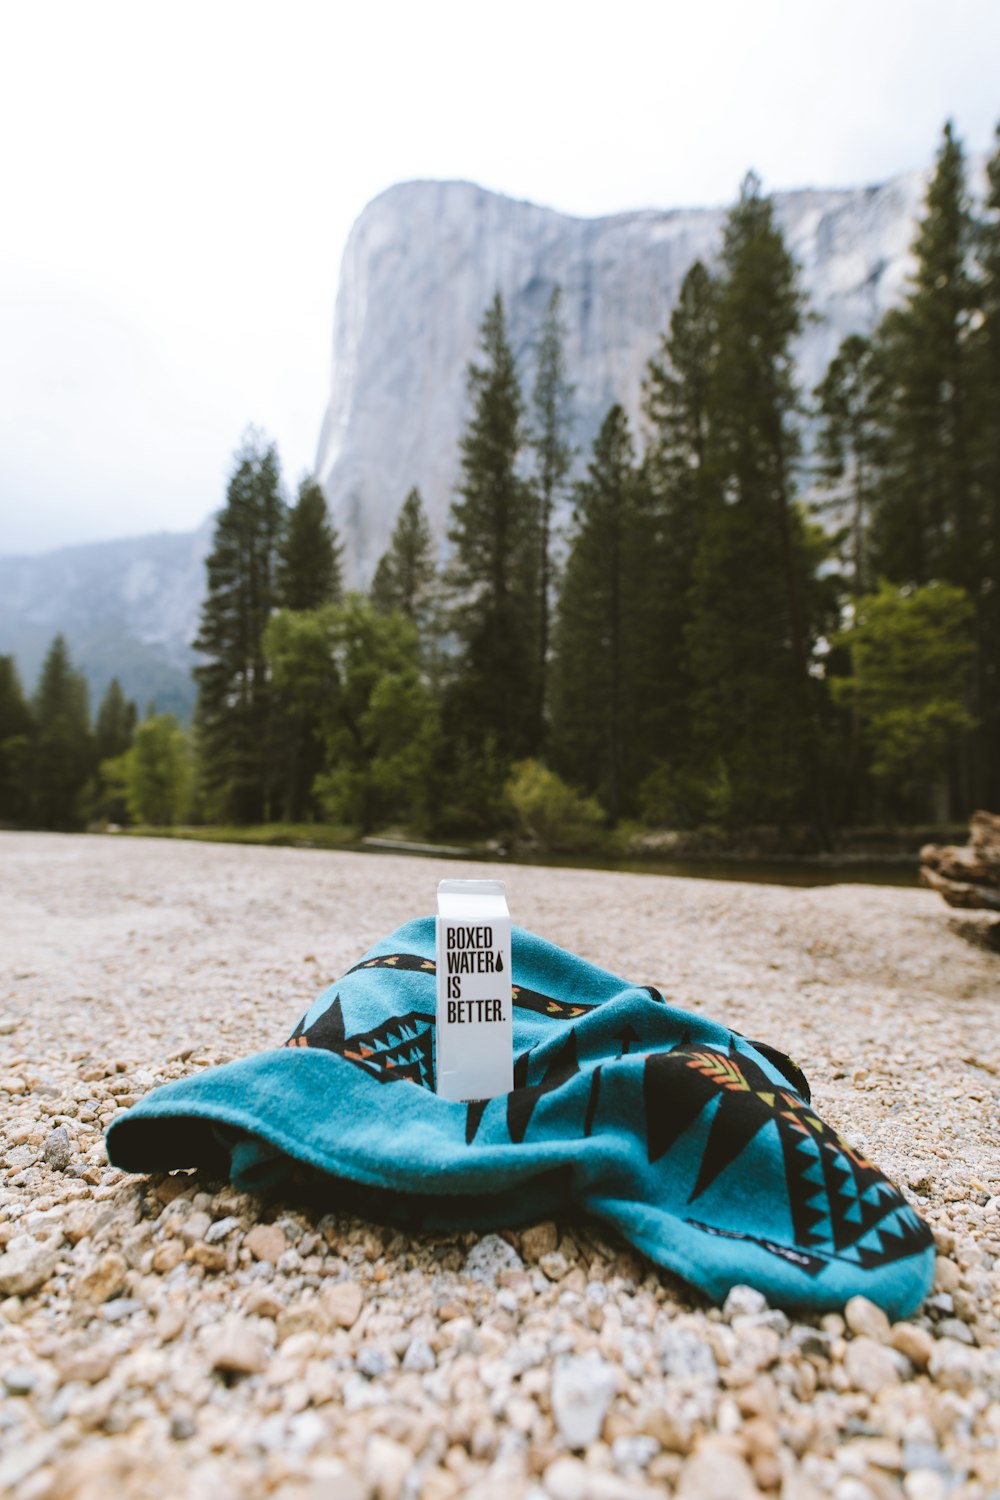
pixel 968 875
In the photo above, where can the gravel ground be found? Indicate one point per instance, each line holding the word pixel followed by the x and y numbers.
pixel 169 1337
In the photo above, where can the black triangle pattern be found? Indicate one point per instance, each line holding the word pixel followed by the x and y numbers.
pixel 522 1101
pixel 906 1234
pixel 673 1097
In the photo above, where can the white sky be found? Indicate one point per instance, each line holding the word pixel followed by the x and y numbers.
pixel 177 183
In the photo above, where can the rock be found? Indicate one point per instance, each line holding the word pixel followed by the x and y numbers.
pixel 221 1229
pixel 105 1279
pixel 88 1366
pixel 78 1222
pixel 571 1479
pixel 925 1484
pixel 488 1257
pixel 343 1302
pixel 194 1227
pixel 635 1451
pixel 870 1366
pixel 916 1343
pixel 925 1456
pixel 238 1348
pixel 947 1276
pixel 166 1256
pixel 19 1380
pixel 182 1426
pixel 713 1473
pixel 120 1309
pixel 583 1388
pixel 538 1240
pixel 373 1362
pixel 686 1356
pixel 266 1242
pixel 954 1328
pixel 57 1150
pixel 955 1365
pixel 866 1320
pixel 554 1265
pixel 261 1302
pixel 419 1356
pixel 743 1301
pixel 25 1267
pixel 387 1464
pixel 621 275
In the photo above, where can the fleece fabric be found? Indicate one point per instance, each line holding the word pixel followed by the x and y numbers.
pixel 697 1144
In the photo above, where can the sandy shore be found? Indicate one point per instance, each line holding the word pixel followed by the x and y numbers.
pixel 149 1346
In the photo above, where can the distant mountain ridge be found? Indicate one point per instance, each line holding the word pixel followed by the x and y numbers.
pixel 128 609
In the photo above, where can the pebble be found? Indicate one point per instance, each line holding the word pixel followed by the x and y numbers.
pixel 572 1479
pixel 25 1267
pixel 266 1242
pixel 387 1464
pixel 955 1366
pixel 221 1229
pixel 866 1320
pixel 238 1349
pixel 419 1356
pixel 870 1366
pixel 538 1240
pixel 954 1328
pixel 925 1484
pixel 105 1279
pixel 343 1303
pixel 685 1355
pixel 713 1473
pixel 743 1302
pixel 488 1257
pixel 19 1381
pixel 57 1151
pixel 583 1388
pixel 372 1362
pixel 916 1343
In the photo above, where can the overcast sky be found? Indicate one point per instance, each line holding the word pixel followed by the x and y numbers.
pixel 177 183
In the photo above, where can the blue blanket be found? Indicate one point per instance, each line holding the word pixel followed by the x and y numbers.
pixel 697 1144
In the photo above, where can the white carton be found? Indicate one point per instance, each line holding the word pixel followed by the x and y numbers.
pixel 475 1034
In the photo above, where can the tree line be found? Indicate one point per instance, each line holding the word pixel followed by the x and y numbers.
pixel 736 627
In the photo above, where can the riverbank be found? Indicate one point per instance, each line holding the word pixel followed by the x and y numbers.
pixel 170 1337
pixel 874 856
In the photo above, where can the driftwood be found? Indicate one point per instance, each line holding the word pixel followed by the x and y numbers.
pixel 967 876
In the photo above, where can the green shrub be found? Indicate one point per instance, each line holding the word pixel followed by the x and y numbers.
pixel 549 813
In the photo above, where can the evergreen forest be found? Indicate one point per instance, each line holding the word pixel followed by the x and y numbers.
pixel 765 606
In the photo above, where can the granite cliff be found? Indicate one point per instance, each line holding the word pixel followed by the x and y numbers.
pixel 425 258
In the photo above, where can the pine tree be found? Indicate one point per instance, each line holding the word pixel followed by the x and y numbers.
pixel 63 748
pixel 593 705
pixel 493 573
pixel 405 576
pixel 113 731
pixel 924 524
pixel 115 725
pixel 673 497
pixel 309 553
pixel 751 632
pixel 234 714
pixel 16 732
pixel 549 439
pixel 850 448
pixel 308 577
